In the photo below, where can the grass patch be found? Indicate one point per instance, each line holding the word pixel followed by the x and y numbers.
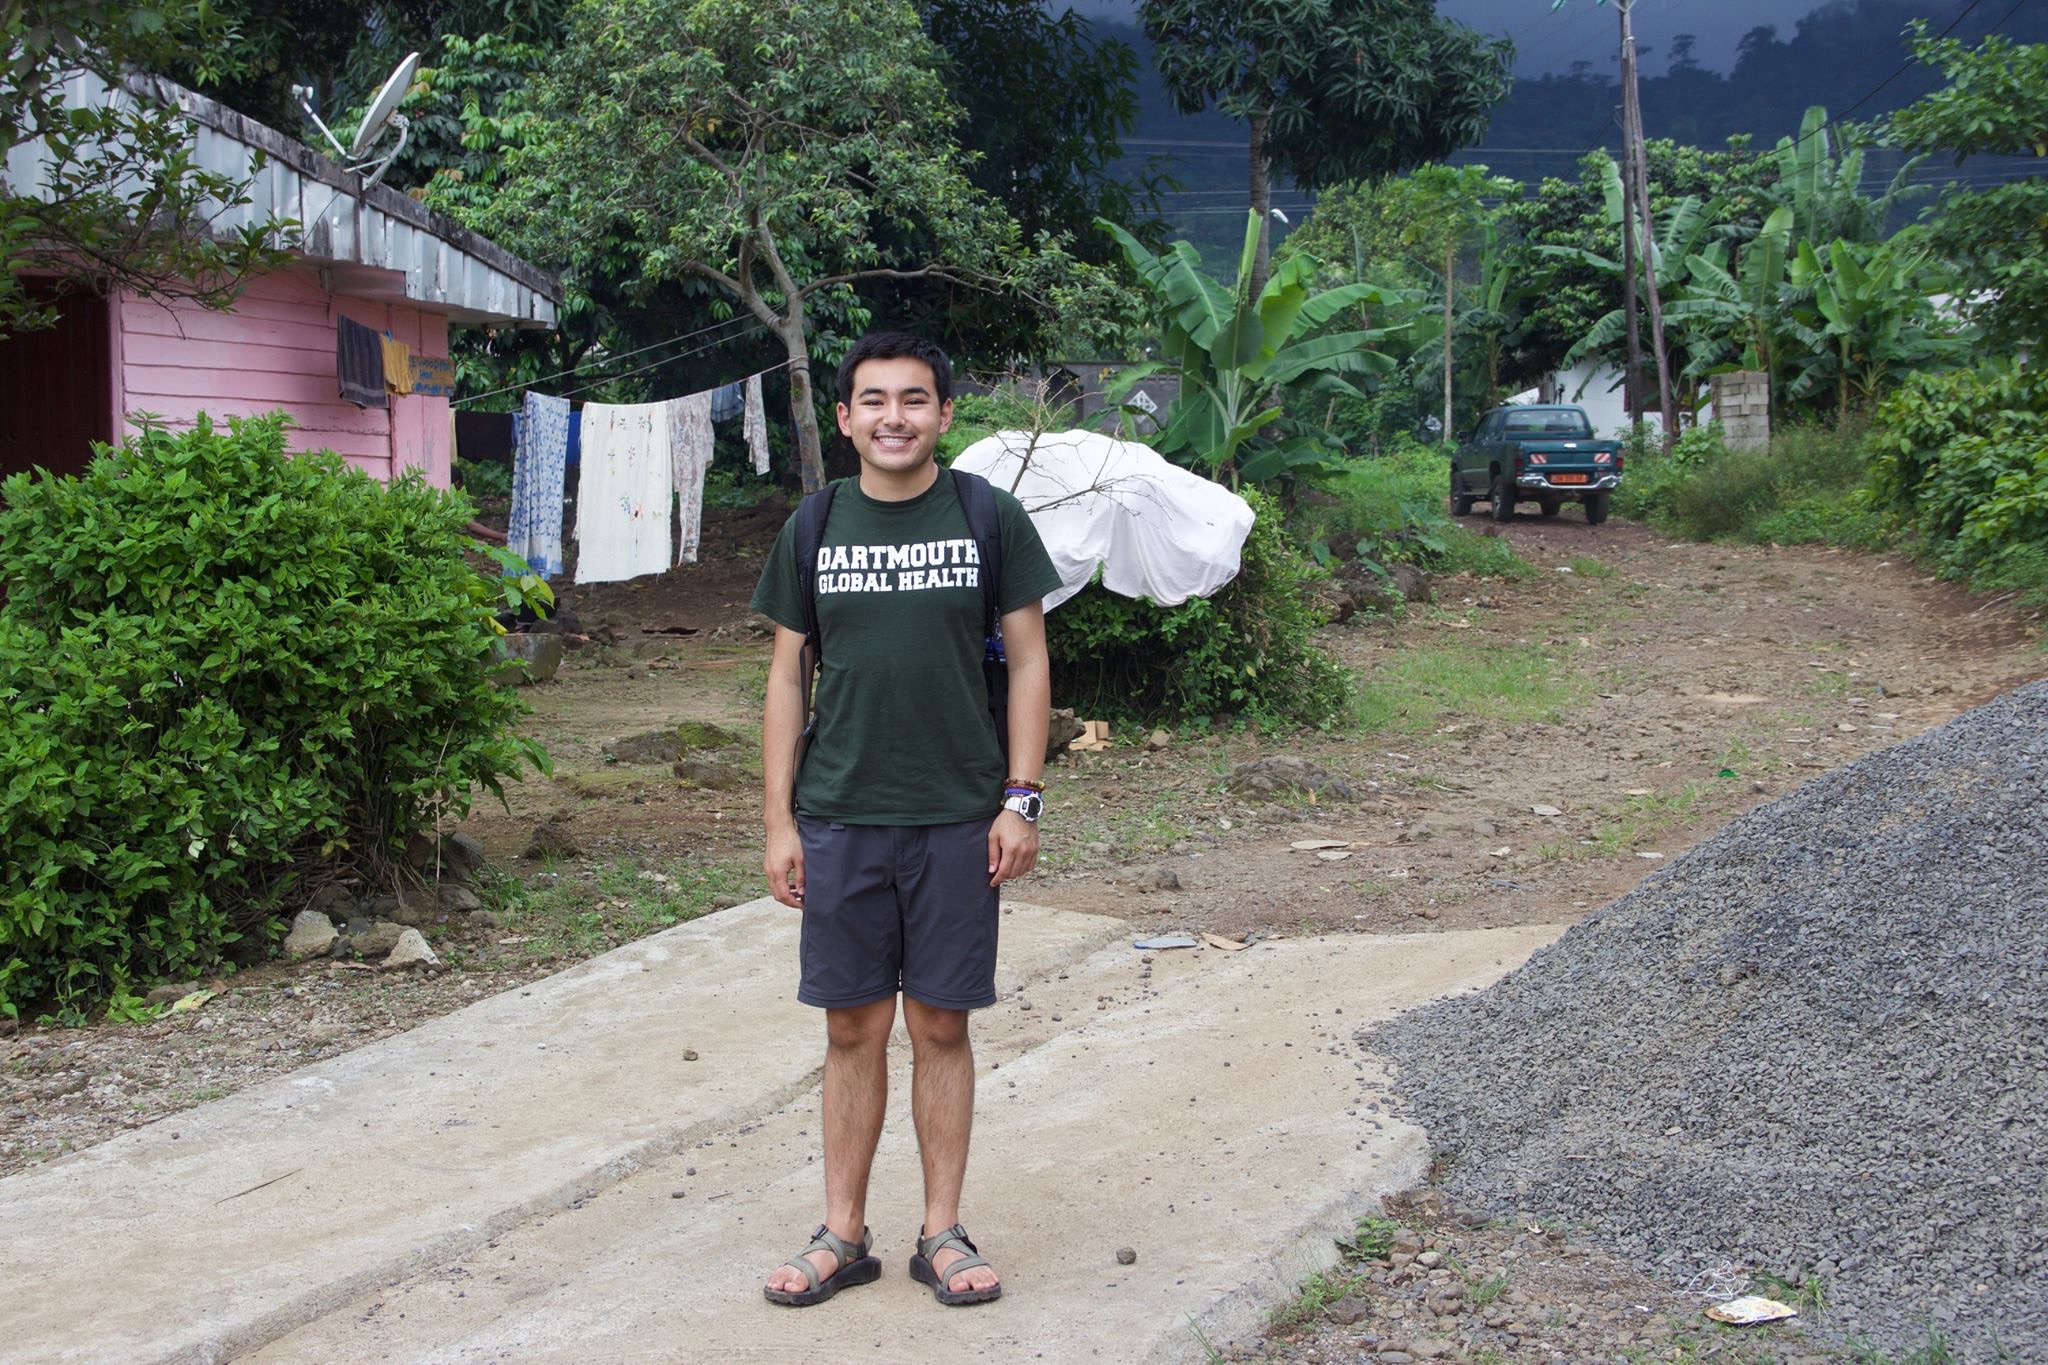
pixel 1134 830
pixel 1625 827
pixel 1318 1292
pixel 1586 566
pixel 572 916
pixel 1393 509
pixel 1413 691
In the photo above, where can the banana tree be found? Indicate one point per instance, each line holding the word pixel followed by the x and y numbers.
pixel 1741 313
pixel 1687 227
pixel 1240 356
pixel 1824 190
pixel 1871 322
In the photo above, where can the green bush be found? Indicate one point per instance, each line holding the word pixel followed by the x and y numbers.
pixel 484 478
pixel 1247 652
pixel 1808 486
pixel 221 665
pixel 1393 508
pixel 1963 457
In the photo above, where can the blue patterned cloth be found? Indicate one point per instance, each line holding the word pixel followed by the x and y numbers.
pixel 539 449
pixel 728 401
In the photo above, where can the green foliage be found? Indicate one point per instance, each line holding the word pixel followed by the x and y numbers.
pixel 1248 652
pixel 1996 100
pixel 485 478
pixel 1963 457
pixel 1810 486
pixel 1351 90
pixel 1240 357
pixel 125 203
pixel 1016 405
pixel 219 665
pixel 1391 509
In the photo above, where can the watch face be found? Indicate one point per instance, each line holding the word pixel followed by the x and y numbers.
pixel 1030 807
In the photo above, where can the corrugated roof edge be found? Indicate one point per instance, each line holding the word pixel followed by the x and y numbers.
pixel 326 170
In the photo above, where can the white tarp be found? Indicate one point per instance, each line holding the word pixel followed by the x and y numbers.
pixel 1155 530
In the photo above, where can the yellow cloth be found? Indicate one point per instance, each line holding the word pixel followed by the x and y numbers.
pixel 397 366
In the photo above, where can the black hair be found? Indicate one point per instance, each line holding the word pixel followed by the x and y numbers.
pixel 897 346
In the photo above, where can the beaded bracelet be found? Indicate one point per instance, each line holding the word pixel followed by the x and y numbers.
pixel 1028 784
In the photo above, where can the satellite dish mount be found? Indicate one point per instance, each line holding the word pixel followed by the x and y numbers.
pixel 383 113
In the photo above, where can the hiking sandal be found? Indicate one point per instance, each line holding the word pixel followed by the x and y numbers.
pixel 921 1267
pixel 856 1266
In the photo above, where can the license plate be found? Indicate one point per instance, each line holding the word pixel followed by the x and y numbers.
pixel 1569 478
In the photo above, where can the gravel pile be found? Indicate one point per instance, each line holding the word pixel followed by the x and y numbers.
pixel 1816 1046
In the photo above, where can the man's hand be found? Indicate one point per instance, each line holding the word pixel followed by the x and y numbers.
pixel 1012 847
pixel 785 866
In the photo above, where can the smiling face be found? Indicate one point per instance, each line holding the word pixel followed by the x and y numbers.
pixel 895 417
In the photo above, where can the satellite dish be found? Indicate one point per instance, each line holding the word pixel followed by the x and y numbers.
pixel 383 113
pixel 384 106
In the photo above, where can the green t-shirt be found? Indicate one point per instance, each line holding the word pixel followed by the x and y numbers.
pixel 904 735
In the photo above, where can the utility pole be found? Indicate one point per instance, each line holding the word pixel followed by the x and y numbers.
pixel 1450 269
pixel 1631 379
pixel 1636 186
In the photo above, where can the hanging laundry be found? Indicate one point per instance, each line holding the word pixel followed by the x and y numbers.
pixel 727 401
pixel 690 444
pixel 433 376
pixel 540 444
pixel 756 425
pixel 626 493
pixel 359 363
pixel 397 365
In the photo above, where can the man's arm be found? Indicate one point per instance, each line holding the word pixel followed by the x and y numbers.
pixel 782 720
pixel 1013 840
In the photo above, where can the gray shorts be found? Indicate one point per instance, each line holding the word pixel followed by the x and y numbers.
pixel 897 907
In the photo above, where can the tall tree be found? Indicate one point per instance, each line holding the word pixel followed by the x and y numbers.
pixel 1332 89
pixel 765 149
pixel 1996 240
pixel 120 200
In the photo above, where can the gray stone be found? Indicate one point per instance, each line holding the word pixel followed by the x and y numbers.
pixel 1150 879
pixel 1063 730
pixel 171 992
pixel 411 951
pixel 672 744
pixel 459 899
pixel 1126 1255
pixel 1284 774
pixel 526 659
pixel 378 939
pixel 711 775
pixel 312 934
pixel 463 854
pixel 1159 739
pixel 1348 1310
pixel 402 909
pixel 551 839
pixel 332 900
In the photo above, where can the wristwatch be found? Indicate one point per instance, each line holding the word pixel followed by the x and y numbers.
pixel 1030 805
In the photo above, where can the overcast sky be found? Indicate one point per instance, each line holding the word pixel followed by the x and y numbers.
pixel 1552 41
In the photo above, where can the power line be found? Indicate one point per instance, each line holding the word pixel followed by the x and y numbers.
pixel 665 360
pixel 613 359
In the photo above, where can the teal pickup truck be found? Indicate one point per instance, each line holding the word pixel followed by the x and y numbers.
pixel 1543 454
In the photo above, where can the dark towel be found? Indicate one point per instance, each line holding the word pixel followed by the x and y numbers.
pixel 359 363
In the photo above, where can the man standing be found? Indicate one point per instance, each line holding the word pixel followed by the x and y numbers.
pixel 905 820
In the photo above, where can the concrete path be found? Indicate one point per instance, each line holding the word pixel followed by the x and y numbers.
pixel 542 1176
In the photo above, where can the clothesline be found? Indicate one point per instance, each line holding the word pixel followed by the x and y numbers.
pixel 641 462
pixel 638 369
pixel 623 355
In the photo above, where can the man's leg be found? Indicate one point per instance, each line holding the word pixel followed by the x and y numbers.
pixel 856 1094
pixel 942 1104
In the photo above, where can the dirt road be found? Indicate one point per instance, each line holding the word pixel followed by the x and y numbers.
pixel 1527 750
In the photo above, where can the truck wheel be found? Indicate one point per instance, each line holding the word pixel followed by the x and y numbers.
pixel 1503 500
pixel 1461 501
pixel 1596 508
pixel 1550 506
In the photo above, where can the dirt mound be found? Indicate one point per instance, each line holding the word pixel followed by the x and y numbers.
pixel 1816 1046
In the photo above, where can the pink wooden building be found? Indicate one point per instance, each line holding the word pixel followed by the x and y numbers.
pixel 364 252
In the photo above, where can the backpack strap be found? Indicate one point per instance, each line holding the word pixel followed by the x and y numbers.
pixel 978 501
pixel 809 539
